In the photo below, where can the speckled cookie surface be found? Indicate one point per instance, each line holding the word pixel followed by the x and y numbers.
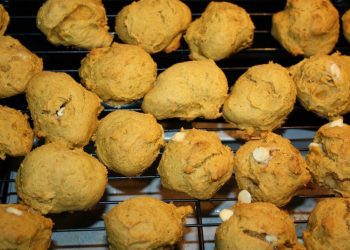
pixel 271 169
pixel 145 223
pixel 307 27
pixel 328 225
pixel 155 25
pixel 261 98
pixel 78 23
pixel 188 90
pixel 258 226
pixel 4 20
pixel 128 142
pixel 323 84
pixel 17 66
pixel 195 162
pixel 223 29
pixel 62 110
pixel 55 179
pixel 346 25
pixel 23 228
pixel 16 135
pixel 119 74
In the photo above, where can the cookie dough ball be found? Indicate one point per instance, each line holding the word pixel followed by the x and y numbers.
pixel 4 20
pixel 119 74
pixel 328 225
pixel 307 27
pixel 271 169
pixel 78 23
pixel 128 142
pixel 223 29
pixel 329 157
pixel 62 110
pixel 145 223
pixel 54 179
pixel 323 84
pixel 195 162
pixel 261 98
pixel 346 25
pixel 23 228
pixel 16 135
pixel 188 90
pixel 17 66
pixel 257 226
pixel 153 25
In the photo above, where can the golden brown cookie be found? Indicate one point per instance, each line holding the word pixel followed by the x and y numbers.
pixel 155 25
pixel 119 74
pixel 223 29
pixel 23 228
pixel 54 179
pixel 261 98
pixel 328 225
pixel 307 27
pixel 128 142
pixel 17 66
pixel 195 162
pixel 258 226
pixel 145 223
pixel 323 84
pixel 4 20
pixel 78 23
pixel 346 25
pixel 62 110
pixel 188 90
pixel 270 169
pixel 16 135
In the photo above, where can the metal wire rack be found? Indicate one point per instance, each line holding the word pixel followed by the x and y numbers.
pixel 85 230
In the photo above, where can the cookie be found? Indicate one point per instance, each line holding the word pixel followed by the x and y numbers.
pixel 195 162
pixel 128 142
pixel 119 74
pixel 346 25
pixel 328 225
pixel 54 179
pixel 307 27
pixel 16 135
pixel 187 90
pixel 78 23
pixel 270 169
pixel 261 98
pixel 145 223
pixel 223 29
pixel 23 228
pixel 17 66
pixel 154 25
pixel 61 109
pixel 4 20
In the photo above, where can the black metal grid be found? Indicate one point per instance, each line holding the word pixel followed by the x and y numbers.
pixel 86 225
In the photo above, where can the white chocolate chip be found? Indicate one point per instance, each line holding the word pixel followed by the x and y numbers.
pixel 15 211
pixel 271 238
pixel 315 145
pixel 262 155
pixel 226 214
pixel 244 196
pixel 335 71
pixel 336 123
pixel 60 112
pixel 179 136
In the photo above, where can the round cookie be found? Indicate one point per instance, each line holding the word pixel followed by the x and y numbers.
pixel 78 23
pixel 62 110
pixel 155 25
pixel 346 25
pixel 257 226
pixel 16 135
pixel 328 159
pixel 119 74
pixel 17 66
pixel 187 90
pixel 23 228
pixel 323 84
pixel 307 27
pixel 328 225
pixel 195 162
pixel 261 98
pixel 54 179
pixel 270 169
pixel 128 142
pixel 223 29
pixel 4 20
pixel 145 223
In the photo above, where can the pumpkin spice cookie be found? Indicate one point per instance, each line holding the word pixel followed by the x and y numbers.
pixel 4 20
